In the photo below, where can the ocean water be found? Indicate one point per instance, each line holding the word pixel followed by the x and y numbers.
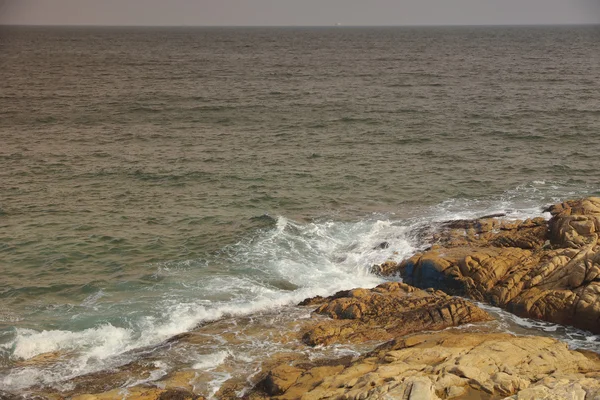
pixel 154 179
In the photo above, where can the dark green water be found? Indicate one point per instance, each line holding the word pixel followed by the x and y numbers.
pixel 151 179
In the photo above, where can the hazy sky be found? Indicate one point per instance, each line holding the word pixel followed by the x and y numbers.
pixel 298 12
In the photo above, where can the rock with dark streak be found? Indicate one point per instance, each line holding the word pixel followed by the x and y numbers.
pixel 385 269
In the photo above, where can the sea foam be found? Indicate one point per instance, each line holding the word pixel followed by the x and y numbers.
pixel 317 258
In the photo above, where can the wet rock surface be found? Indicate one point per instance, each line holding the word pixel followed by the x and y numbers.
pixel 142 393
pixel 548 270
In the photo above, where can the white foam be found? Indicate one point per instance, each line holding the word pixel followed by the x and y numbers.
pixel 156 374
pixel 91 300
pixel 575 338
pixel 216 383
pixel 212 361
pixel 103 341
pixel 527 200
pixel 317 258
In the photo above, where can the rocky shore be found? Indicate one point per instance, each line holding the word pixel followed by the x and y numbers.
pixel 533 268
pixel 419 341
pixel 445 365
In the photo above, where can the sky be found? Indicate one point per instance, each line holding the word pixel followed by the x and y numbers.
pixel 298 12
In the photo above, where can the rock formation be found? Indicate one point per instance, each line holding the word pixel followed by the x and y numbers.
pixel 534 268
pixel 390 310
pixel 445 365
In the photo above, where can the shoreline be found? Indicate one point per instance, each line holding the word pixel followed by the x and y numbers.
pixel 376 320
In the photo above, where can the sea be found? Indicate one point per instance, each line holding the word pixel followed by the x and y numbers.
pixel 153 180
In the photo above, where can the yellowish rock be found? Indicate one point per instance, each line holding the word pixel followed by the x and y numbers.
pixel 540 269
pixel 449 365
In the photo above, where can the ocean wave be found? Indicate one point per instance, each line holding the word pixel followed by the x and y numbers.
pixel 277 267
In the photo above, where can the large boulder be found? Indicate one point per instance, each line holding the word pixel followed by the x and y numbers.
pixel 575 223
pixel 390 310
pixel 538 269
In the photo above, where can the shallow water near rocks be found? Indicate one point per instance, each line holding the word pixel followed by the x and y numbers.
pixel 154 180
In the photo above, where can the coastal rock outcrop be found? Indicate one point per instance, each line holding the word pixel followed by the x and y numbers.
pixel 549 270
pixel 445 365
pixel 390 310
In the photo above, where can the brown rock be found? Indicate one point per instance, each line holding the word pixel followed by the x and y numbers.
pixel 390 310
pixel 385 269
pixel 575 223
pixel 280 379
pixel 177 394
pixel 141 393
pixel 454 365
pixel 174 387
pixel 512 266
pixel 487 231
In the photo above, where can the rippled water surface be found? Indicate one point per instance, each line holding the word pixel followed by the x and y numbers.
pixel 152 179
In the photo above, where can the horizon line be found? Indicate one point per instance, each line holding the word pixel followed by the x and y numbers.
pixel 335 25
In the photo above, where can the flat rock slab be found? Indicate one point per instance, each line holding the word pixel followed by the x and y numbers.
pixel 445 365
